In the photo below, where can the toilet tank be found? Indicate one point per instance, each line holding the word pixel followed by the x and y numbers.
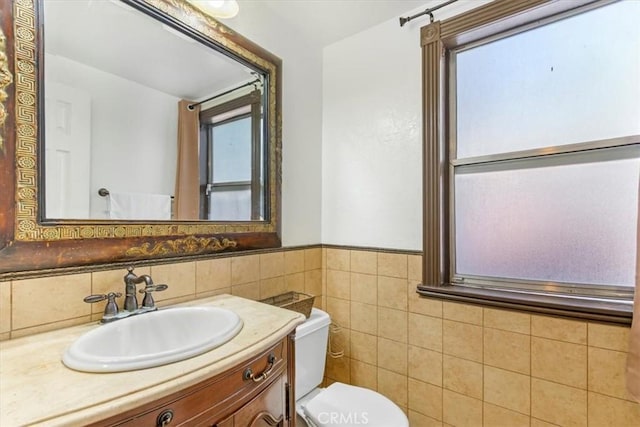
pixel 311 349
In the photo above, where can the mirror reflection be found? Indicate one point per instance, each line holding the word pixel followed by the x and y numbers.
pixel 143 122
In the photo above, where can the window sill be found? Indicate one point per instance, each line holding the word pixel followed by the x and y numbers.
pixel 574 307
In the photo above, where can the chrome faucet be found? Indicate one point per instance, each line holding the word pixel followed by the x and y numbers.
pixel 131 307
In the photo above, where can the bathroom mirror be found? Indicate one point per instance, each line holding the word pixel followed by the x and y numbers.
pixel 133 70
pixel 165 107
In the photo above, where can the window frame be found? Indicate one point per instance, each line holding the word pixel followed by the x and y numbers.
pixel 492 21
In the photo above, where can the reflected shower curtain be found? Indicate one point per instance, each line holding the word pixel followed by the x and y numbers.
pixel 187 197
pixel 633 358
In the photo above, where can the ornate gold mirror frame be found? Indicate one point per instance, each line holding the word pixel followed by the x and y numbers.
pixel 26 242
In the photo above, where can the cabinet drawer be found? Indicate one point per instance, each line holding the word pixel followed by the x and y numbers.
pixel 212 399
pixel 265 410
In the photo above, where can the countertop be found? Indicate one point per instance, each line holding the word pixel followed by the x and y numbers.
pixel 36 388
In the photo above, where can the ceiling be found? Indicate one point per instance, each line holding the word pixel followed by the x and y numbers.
pixel 123 42
pixel 327 21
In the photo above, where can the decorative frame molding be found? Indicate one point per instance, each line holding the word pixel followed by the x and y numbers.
pixel 26 119
pixel 29 233
pixel 6 78
pixel 188 245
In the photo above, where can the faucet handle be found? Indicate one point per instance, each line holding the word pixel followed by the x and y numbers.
pixel 147 301
pixel 111 309
pixel 153 288
pixel 101 297
pixel 94 298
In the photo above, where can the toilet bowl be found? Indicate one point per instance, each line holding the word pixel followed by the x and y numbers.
pixel 339 404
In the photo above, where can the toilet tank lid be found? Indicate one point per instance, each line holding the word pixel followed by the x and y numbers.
pixel 317 320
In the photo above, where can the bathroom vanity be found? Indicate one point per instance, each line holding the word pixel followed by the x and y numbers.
pixel 229 399
pixel 246 382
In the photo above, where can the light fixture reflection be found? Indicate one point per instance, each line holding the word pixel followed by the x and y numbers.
pixel 217 8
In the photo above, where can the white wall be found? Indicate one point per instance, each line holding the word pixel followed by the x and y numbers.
pixel 301 119
pixel 372 135
pixel 133 132
pixel 351 130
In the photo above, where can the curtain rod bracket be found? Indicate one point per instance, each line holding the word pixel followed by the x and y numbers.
pixel 425 12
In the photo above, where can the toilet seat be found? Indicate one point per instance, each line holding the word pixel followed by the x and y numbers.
pixel 350 406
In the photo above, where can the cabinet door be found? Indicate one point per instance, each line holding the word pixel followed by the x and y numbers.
pixel 265 410
pixel 226 423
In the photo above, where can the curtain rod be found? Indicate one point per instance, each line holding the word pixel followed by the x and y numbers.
pixel 191 106
pixel 426 12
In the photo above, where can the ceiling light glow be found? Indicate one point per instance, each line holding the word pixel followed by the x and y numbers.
pixel 217 8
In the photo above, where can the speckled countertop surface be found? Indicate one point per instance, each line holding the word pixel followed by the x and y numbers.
pixel 36 388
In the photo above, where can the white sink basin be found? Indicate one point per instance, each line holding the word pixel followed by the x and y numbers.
pixel 152 339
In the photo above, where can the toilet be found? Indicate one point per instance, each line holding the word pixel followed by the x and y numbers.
pixel 339 404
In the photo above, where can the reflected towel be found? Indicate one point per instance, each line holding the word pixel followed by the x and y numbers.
pixel 633 357
pixel 139 206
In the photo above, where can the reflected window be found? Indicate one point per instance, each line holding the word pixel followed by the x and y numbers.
pixel 231 171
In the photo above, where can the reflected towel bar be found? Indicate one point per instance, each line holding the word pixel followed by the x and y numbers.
pixel 104 192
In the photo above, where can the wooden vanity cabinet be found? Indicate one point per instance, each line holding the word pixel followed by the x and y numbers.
pixel 265 410
pixel 230 399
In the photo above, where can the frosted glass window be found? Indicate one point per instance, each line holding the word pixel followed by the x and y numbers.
pixel 571 81
pixel 232 151
pixel 572 219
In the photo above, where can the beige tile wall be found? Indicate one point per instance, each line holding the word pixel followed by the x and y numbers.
pixel 444 363
pixel 455 364
pixel 36 305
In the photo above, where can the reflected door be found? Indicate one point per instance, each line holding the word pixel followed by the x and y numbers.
pixel 67 151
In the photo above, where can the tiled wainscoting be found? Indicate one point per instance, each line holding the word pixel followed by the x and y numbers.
pixel 465 365
pixel 444 363
pixel 36 305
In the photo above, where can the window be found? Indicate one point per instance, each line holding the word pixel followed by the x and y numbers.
pixel 231 174
pixel 536 170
